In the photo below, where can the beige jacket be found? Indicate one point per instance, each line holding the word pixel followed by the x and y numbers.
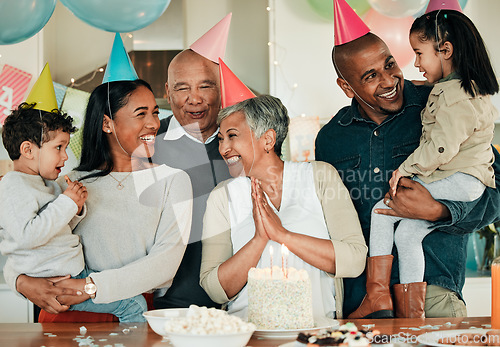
pixel 456 136
pixel 340 216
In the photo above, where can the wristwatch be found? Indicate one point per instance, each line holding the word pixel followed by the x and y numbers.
pixel 90 287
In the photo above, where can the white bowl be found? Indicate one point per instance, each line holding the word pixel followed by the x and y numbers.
pixel 157 318
pixel 219 340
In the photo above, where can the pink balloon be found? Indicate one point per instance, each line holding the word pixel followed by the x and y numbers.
pixel 394 31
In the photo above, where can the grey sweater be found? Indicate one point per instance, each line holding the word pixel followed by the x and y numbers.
pixel 35 228
pixel 135 241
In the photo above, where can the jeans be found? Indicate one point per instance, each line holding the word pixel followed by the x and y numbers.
pixel 127 310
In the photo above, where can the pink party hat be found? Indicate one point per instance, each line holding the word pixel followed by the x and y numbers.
pixel 212 44
pixel 232 90
pixel 435 5
pixel 348 25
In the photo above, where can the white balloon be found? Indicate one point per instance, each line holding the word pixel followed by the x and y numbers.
pixel 398 8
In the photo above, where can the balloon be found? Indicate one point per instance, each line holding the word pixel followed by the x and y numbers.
pixel 117 15
pixel 21 19
pixel 325 7
pixel 394 32
pixel 398 8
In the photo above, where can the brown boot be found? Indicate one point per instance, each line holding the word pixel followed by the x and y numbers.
pixel 378 301
pixel 410 299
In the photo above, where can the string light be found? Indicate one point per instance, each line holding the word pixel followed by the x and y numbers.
pixel 94 73
pixel 277 55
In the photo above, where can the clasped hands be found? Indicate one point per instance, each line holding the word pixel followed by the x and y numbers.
pixel 267 224
pixel 54 294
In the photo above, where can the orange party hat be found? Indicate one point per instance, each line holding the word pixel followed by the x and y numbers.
pixel 232 89
pixel 348 25
pixel 212 44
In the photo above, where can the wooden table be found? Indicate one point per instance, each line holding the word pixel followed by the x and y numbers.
pixel 132 335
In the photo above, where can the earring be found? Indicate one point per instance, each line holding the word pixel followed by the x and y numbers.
pixel 108 131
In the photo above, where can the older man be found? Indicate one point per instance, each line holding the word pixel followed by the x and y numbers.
pixel 188 141
pixel 369 139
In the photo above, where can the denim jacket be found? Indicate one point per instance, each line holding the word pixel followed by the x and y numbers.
pixel 365 154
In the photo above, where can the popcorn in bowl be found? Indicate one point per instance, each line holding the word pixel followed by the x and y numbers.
pixel 209 327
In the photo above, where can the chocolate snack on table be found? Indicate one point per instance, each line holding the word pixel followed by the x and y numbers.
pixel 345 335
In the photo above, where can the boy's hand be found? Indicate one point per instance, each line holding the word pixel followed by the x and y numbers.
pixel 77 192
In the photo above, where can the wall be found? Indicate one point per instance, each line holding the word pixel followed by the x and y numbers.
pixel 484 15
pixel 247 49
pixel 166 33
pixel 301 72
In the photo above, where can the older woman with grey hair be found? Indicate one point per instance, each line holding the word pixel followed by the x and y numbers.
pixel 269 202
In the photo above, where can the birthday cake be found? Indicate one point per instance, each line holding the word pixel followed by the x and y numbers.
pixel 279 299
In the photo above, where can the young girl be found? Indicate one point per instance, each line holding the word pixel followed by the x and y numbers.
pixel 453 160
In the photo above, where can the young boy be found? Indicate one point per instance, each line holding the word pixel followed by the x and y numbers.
pixel 36 217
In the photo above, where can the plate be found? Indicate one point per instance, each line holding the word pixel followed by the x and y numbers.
pixel 320 323
pixel 432 338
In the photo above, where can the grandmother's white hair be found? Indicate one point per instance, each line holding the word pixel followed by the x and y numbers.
pixel 262 113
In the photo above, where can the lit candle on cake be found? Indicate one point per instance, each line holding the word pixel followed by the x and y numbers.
pixel 284 259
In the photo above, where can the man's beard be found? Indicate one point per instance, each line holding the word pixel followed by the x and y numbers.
pixel 392 112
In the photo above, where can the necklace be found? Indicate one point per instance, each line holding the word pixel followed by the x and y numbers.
pixel 120 186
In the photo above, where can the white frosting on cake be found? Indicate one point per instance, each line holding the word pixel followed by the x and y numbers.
pixel 279 301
